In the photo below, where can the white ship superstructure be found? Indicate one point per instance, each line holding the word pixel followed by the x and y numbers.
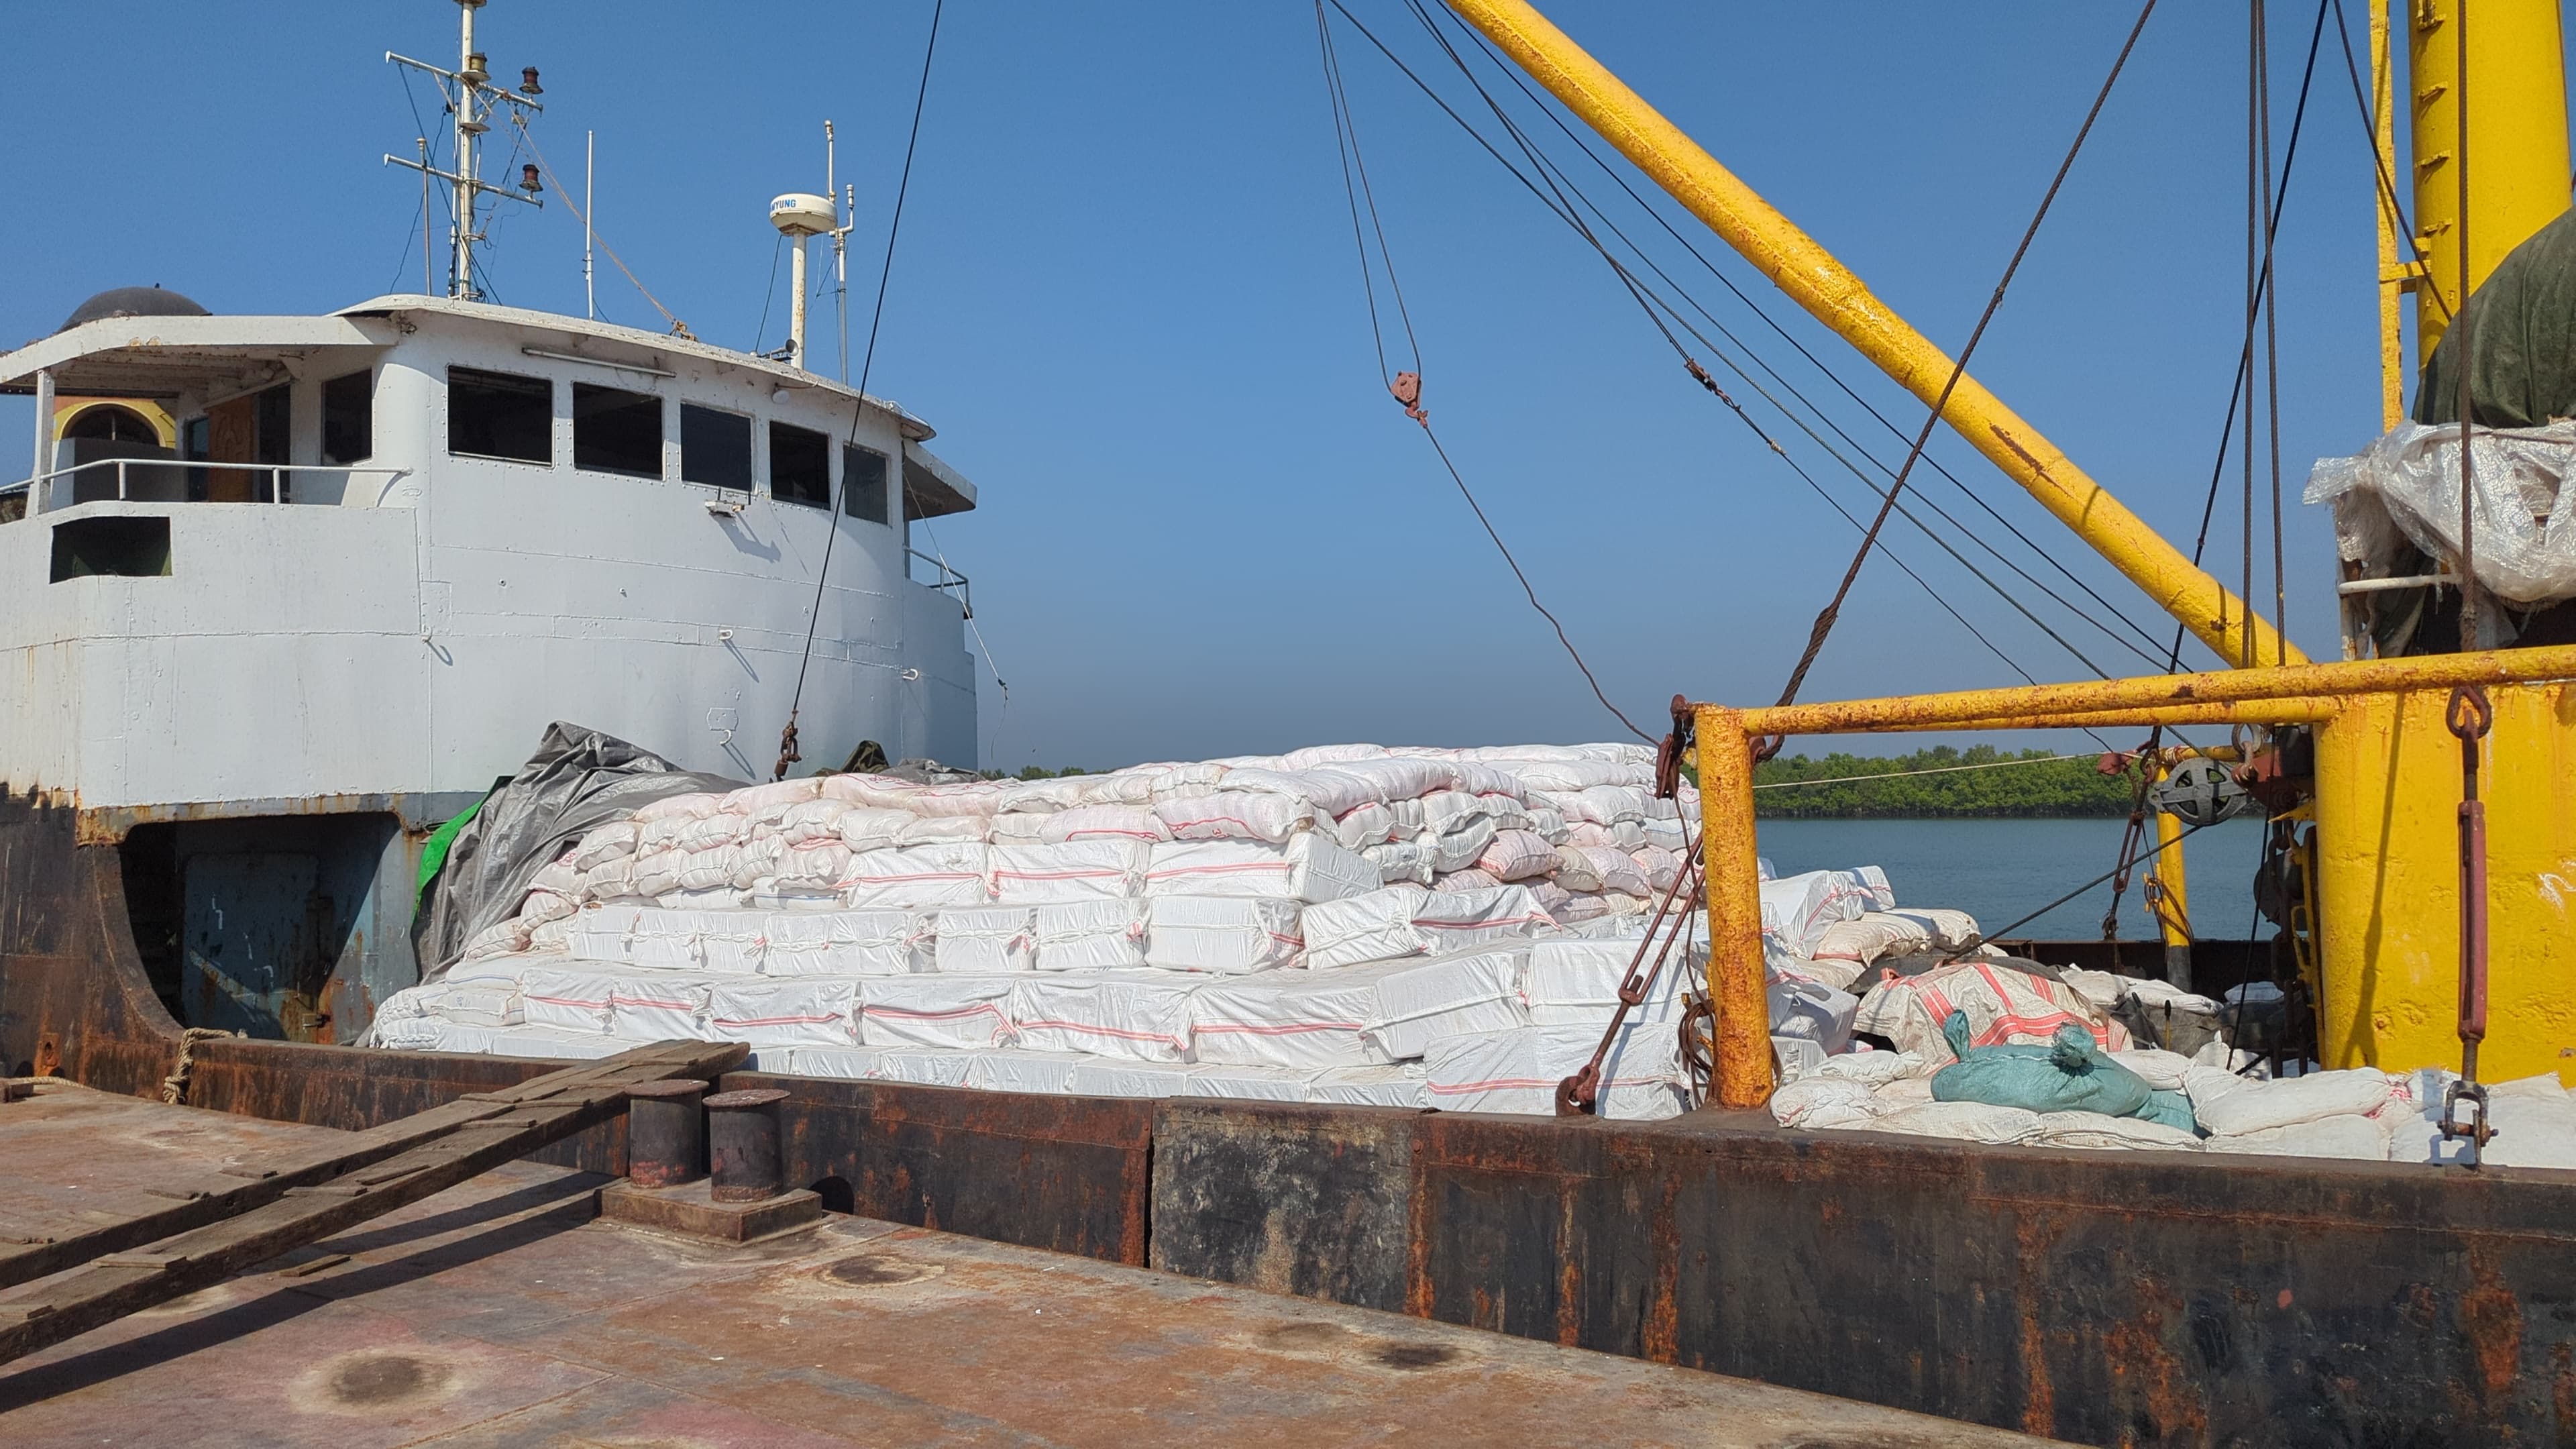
pixel 287 591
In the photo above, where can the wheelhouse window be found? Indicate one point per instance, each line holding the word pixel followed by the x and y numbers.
pixel 863 483
pixel 800 466
pixel 500 415
pixel 715 447
pixel 349 418
pixel 616 431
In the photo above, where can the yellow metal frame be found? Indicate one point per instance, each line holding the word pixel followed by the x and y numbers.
pixel 2314 693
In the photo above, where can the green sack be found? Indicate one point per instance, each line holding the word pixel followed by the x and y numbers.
pixel 2169 1109
pixel 2070 1074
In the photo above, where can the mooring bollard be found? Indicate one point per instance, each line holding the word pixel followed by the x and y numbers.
pixel 742 1140
pixel 666 1133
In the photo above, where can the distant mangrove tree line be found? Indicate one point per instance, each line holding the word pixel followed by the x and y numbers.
pixel 1981 780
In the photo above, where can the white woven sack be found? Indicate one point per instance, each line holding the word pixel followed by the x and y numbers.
pixel 1798 910
pixel 2262 1106
pixel 1124 1077
pixel 1419 1002
pixel 927 1066
pixel 1144 1015
pixel 1518 855
pixel 1369 825
pixel 1470 879
pixel 1400 1084
pixel 755 799
pixel 794 1011
pixel 1398 861
pixel 843 1063
pixel 733 943
pixel 691 806
pixel 1662 868
pixel 546 1043
pixel 605 843
pixel 815 868
pixel 844 943
pixel 1236 815
pixel 1248 1084
pixel 945 829
pixel 1099 935
pixel 2003 1007
pixel 1036 1073
pixel 1076 871
pixel 1459 846
pixel 934 1009
pixel 658 1006
pixel 984 940
pixel 1104 822
pixel 1623 837
pixel 1573 980
pixel 1310 867
pixel 1963 1122
pixel 1867 937
pixel 1226 935
pixel 921 875
pixel 2093 1130
pixel 1517 1070
pixel 1392 923
pixel 1308 1019
pixel 868 827
pixel 1617 870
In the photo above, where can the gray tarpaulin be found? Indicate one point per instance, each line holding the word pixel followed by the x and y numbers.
pixel 577 780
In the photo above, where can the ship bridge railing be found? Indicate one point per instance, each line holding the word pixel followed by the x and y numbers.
pixel 942 577
pixel 185 480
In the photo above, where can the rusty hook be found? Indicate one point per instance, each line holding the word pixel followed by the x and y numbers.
pixel 2471 715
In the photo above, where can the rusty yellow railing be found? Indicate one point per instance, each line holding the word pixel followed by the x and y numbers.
pixel 2309 693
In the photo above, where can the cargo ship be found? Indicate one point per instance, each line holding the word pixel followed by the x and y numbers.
pixel 194 906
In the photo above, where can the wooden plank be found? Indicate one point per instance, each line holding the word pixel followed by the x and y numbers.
pixel 121 1283
pixel 214 1200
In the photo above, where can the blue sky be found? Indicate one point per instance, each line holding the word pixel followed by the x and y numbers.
pixel 1127 297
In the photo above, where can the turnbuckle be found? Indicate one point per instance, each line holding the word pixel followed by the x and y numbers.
pixel 2476 1129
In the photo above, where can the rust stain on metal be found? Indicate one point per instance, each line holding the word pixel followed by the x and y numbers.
pixel 2039 1392
pixel 1569 1271
pixel 1659 1337
pixel 2562 1390
pixel 2491 1316
pixel 2006 438
pixel 2140 1361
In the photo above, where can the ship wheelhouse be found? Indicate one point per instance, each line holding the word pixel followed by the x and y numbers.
pixel 453 523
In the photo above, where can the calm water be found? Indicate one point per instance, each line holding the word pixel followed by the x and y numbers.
pixel 1997 870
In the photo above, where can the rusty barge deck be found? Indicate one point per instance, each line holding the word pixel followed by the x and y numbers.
pixel 499 1312
pixel 2103 1298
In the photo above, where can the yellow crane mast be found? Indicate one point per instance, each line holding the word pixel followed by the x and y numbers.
pixel 2388 771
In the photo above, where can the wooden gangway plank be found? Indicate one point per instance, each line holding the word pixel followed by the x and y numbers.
pixel 306 1196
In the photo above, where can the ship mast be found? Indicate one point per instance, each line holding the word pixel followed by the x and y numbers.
pixel 473 100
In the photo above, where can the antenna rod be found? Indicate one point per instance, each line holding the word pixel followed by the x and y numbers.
pixel 460 281
pixel 589 170
pixel 427 273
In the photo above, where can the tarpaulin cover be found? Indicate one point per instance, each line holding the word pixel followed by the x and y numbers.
pixel 2521 329
pixel 578 778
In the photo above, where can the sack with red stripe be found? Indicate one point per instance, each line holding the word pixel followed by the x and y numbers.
pixel 2004 1007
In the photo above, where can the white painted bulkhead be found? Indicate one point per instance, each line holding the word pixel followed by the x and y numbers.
pixel 413 634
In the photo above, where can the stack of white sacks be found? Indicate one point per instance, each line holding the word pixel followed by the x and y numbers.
pixel 1822 970
pixel 1412 927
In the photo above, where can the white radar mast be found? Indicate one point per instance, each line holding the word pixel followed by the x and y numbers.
pixel 473 100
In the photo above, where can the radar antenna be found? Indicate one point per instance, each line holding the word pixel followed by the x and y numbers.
pixel 472 99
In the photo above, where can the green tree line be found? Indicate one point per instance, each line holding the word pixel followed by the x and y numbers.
pixel 2042 787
